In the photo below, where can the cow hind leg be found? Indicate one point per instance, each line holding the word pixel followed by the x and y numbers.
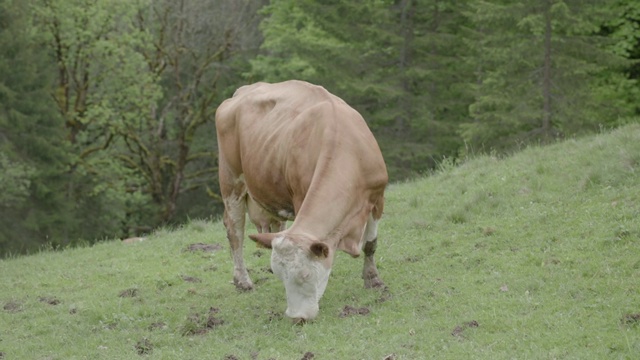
pixel 234 221
pixel 370 271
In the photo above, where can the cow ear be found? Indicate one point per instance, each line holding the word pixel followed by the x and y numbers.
pixel 263 239
pixel 320 250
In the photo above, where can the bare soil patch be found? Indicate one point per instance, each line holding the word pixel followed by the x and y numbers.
pixel 348 310
pixel 12 307
pixel 385 295
pixel 198 324
pixel 203 247
pixel 51 300
pixel 128 293
pixel 631 319
pixel 308 356
pixel 191 279
pixel 157 326
pixel 458 330
pixel 144 347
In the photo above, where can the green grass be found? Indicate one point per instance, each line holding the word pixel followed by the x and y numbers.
pixel 536 256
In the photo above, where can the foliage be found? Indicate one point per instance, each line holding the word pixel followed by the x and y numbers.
pixel 32 155
pixel 541 72
pixel 533 255
pixel 135 86
pixel 106 107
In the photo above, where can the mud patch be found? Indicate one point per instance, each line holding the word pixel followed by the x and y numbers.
pixel 274 316
pixel 128 293
pixel 51 300
pixel 385 295
pixel 308 356
pixel 12 307
pixel 203 247
pixel 157 326
pixel 348 310
pixel 198 324
pixel 1 355
pixel 458 330
pixel 631 319
pixel 191 279
pixel 144 347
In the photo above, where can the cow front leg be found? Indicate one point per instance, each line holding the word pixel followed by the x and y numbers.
pixel 234 222
pixel 370 271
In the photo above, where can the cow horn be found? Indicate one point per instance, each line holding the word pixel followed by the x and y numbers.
pixel 263 239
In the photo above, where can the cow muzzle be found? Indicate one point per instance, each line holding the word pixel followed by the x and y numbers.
pixel 300 317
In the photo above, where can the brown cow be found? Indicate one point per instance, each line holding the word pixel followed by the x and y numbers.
pixel 293 151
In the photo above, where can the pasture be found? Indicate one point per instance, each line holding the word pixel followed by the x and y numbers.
pixel 534 256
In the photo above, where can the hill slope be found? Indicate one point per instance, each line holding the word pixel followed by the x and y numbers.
pixel 532 256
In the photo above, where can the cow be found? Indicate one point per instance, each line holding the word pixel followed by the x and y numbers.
pixel 292 151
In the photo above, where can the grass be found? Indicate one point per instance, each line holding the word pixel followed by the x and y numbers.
pixel 535 256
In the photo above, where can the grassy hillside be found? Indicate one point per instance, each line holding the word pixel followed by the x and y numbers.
pixel 536 256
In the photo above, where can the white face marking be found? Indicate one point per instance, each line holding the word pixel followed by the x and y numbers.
pixel 304 278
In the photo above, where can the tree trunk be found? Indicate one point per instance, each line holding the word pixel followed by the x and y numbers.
pixel 406 29
pixel 546 73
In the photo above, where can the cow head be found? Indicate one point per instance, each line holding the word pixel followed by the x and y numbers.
pixel 304 266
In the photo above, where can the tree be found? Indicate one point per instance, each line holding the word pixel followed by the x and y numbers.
pixel 137 85
pixel 192 50
pixel 33 156
pixel 541 72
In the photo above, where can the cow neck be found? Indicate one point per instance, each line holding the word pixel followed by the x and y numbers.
pixel 333 215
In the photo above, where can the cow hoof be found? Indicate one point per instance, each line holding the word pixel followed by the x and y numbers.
pixel 374 283
pixel 298 321
pixel 243 285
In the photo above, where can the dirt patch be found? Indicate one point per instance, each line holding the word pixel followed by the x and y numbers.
pixel 128 293
pixel 385 295
pixel 258 253
pixel 1 355
pixel 231 357
pixel 308 356
pixel 458 330
pixel 631 319
pixel 203 247
pixel 274 316
pixel 191 279
pixel 198 324
pixel 348 310
pixel 12 307
pixel 144 347
pixel 51 300
pixel 390 357
pixel 157 326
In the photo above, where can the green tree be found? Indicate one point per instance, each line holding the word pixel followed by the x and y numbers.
pixel 33 156
pixel 541 72
pixel 137 85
